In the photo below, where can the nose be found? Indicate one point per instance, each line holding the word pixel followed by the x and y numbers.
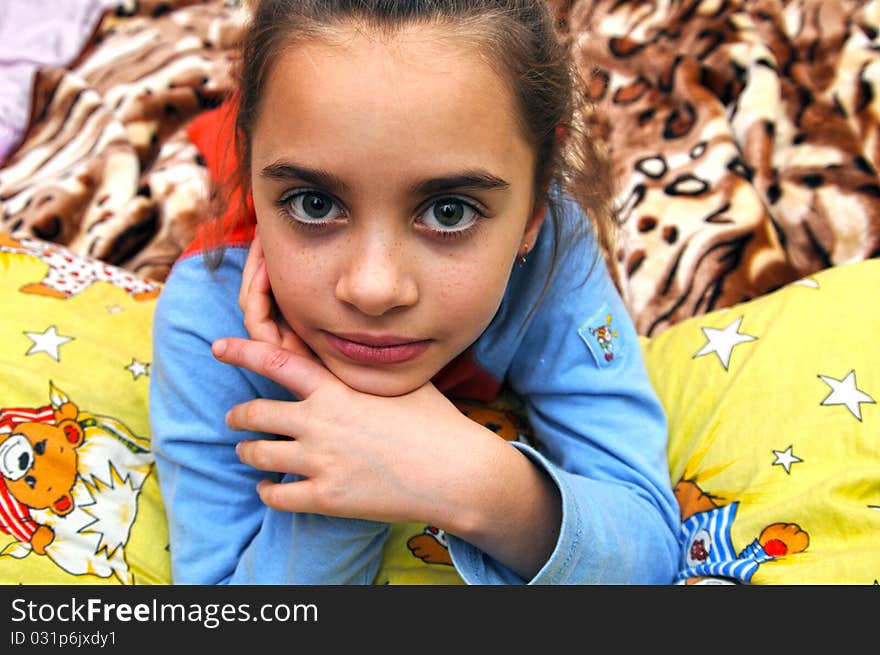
pixel 378 276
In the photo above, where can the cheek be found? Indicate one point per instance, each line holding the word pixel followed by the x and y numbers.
pixel 19 490
pixel 473 296
pixel 298 281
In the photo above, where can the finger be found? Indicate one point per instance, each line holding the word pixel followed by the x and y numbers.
pixel 254 256
pixel 288 496
pixel 299 374
pixel 258 307
pixel 279 417
pixel 271 456
pixel 261 319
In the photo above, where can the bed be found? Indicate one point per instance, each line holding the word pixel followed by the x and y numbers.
pixel 744 139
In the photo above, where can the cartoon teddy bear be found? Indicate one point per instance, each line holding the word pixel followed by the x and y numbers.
pixel 708 554
pixel 70 481
pixel 38 465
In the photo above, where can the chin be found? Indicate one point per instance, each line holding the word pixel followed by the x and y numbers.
pixel 378 382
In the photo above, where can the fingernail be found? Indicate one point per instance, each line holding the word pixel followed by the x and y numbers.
pixel 238 449
pixel 219 347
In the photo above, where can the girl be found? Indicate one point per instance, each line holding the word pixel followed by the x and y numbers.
pixel 401 157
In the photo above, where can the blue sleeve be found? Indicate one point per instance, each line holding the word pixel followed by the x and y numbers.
pixel 600 428
pixel 220 532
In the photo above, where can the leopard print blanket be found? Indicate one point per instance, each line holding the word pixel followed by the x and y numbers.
pixel 743 136
pixel 105 167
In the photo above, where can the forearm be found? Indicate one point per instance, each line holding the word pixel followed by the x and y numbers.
pixel 521 516
pixel 497 500
pixel 609 533
pixel 220 532
pixel 312 549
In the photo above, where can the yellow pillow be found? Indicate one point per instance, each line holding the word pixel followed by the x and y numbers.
pixel 79 500
pixel 772 411
pixel 775 432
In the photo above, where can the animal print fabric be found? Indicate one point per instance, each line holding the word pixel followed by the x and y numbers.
pixel 742 133
pixel 744 140
pixel 105 167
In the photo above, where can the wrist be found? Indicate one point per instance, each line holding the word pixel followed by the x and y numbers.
pixel 461 498
pixel 481 487
pixel 510 509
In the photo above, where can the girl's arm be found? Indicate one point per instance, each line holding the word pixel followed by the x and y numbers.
pixel 220 531
pixel 409 458
pixel 600 428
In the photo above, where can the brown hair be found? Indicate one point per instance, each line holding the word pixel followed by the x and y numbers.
pixel 520 39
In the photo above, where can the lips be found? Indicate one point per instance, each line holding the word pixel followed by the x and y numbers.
pixel 377 349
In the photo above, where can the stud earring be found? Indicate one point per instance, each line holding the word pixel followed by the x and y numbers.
pixel 523 253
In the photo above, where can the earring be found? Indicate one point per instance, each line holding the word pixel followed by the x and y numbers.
pixel 523 253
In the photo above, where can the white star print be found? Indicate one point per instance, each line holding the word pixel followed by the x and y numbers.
pixel 845 392
pixel 138 368
pixel 113 309
pixel 47 342
pixel 722 342
pixel 785 458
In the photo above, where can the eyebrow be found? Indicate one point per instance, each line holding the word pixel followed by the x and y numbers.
pixel 473 179
pixel 283 171
pixel 469 179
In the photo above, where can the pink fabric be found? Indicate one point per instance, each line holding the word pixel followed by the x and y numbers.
pixel 34 34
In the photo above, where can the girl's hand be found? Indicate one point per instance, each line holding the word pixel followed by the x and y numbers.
pixel 405 458
pixel 262 320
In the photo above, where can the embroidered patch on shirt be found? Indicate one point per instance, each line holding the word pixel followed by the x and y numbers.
pixel 600 336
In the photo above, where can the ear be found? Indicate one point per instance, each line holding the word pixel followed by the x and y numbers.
pixel 533 225
pixel 73 431
pixel 66 412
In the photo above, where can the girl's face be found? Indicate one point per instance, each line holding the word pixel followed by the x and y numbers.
pixel 393 189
